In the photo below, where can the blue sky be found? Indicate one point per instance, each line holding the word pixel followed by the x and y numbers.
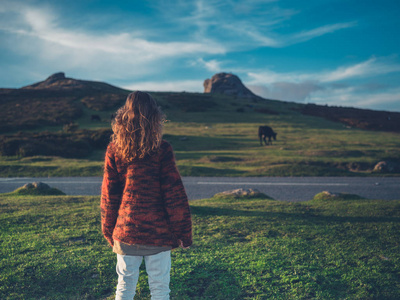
pixel 343 53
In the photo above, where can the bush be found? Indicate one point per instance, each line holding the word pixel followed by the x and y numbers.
pixel 71 127
pixel 103 102
pixel 69 144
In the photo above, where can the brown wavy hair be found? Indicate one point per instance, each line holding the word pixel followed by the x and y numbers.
pixel 137 127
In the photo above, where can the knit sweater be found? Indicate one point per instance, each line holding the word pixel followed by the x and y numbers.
pixel 144 202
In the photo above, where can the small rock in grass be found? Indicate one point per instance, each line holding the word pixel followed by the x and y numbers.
pixel 37 188
pixel 326 195
pixel 243 193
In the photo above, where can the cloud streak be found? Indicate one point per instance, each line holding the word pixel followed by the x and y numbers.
pixel 254 23
pixel 369 68
pixel 381 100
pixel 331 87
pixel 109 54
pixel 167 86
pixel 41 25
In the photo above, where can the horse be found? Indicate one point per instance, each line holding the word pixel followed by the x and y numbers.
pixel 266 132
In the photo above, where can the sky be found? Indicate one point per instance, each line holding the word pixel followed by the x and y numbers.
pixel 335 52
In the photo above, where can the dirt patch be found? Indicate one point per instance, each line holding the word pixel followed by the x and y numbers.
pixel 346 166
pixel 332 153
pixel 214 158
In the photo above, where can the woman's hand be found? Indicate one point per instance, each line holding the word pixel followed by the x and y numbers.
pixel 181 245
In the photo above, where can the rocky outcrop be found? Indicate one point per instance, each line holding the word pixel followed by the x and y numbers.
pixel 55 77
pixel 227 84
pixel 243 193
pixel 58 81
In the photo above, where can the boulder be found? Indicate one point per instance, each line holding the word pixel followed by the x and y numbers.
pixel 227 84
pixel 36 185
pixel 37 188
pixel 57 81
pixel 242 193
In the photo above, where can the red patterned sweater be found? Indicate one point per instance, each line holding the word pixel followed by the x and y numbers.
pixel 144 202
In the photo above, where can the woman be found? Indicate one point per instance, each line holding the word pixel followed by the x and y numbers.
pixel 144 207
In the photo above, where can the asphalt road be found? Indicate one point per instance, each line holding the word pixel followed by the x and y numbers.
pixel 279 188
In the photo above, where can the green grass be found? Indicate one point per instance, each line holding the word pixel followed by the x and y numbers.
pixel 223 142
pixel 51 166
pixel 52 248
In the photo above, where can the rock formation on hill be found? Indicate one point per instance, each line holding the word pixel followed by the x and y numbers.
pixel 58 81
pixel 56 101
pixel 228 84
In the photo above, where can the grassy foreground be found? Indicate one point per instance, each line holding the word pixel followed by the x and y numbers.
pixel 52 248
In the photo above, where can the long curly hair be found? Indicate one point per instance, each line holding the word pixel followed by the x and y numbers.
pixel 137 127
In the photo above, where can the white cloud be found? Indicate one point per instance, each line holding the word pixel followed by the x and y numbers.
pixel 369 68
pixel 167 86
pixel 274 40
pixel 327 87
pixel 254 22
pixel 352 96
pixel 212 65
pixel 310 34
pixel 289 91
pixel 43 27
pixel 37 32
pixel 114 55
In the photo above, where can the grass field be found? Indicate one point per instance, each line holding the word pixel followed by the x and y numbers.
pixel 52 248
pixel 222 141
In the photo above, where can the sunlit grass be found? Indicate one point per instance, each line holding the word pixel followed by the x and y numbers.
pixel 52 248
pixel 305 146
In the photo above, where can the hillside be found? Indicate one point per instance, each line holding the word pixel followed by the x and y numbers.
pixel 55 101
pixel 61 126
pixel 356 117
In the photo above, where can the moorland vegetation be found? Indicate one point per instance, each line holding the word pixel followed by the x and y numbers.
pixel 60 127
pixel 334 246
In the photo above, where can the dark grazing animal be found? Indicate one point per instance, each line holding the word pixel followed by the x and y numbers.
pixel 95 118
pixel 266 132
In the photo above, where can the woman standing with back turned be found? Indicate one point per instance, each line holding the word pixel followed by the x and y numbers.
pixel 144 207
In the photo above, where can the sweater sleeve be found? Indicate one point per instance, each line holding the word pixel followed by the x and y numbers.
pixel 111 193
pixel 175 198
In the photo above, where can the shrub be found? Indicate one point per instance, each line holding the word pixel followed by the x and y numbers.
pixel 78 144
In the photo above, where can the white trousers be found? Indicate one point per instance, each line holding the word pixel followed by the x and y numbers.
pixel 158 269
